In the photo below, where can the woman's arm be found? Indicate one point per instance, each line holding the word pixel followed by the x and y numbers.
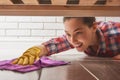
pixel 52 46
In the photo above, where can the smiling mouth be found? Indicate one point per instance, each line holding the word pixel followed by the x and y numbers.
pixel 78 46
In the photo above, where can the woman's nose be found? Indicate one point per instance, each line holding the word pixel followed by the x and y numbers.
pixel 73 40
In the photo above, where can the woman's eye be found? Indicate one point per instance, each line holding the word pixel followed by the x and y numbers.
pixel 68 34
pixel 79 32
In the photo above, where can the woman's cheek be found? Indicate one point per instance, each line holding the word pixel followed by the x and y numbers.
pixel 68 39
pixel 83 38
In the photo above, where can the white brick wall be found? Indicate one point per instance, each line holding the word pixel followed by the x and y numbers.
pixel 27 28
pixel 35 27
pixel 2 32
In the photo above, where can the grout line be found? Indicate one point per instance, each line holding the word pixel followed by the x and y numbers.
pixel 89 72
pixel 40 72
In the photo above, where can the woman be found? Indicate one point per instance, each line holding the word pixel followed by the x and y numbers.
pixel 83 33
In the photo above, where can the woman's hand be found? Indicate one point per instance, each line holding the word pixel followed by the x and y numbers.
pixel 29 56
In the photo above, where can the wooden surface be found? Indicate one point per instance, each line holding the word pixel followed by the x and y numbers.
pixel 103 70
pixel 83 68
pixel 59 10
pixel 66 72
pixel 60 7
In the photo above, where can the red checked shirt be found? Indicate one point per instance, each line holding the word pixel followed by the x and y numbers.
pixel 109 43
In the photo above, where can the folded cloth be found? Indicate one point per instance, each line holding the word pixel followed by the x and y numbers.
pixel 43 62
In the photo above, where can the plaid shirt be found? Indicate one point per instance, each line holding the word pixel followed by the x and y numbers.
pixel 109 45
pixel 57 45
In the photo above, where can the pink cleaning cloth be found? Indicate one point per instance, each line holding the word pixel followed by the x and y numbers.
pixel 43 62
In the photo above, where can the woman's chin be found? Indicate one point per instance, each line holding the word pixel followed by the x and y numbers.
pixel 80 49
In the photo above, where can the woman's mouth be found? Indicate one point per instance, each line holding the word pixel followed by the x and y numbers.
pixel 79 45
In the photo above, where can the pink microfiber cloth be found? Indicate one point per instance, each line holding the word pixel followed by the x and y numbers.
pixel 43 62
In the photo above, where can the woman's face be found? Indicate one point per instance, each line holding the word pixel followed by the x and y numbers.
pixel 79 34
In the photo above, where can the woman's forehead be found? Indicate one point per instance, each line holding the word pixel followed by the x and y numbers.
pixel 74 28
pixel 73 22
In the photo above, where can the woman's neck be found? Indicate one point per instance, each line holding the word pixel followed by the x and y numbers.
pixel 95 40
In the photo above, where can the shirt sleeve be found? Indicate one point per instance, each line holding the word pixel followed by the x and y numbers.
pixel 56 45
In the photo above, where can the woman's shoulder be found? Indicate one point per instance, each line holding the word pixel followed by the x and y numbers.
pixel 110 28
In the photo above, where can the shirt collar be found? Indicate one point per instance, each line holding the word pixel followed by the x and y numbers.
pixel 102 45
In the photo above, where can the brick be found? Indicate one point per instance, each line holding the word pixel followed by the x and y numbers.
pixel 30 37
pixel 8 25
pixel 2 32
pixel 60 19
pixel 53 26
pixel 115 19
pixel 31 25
pixel 43 33
pixel 18 19
pixel 7 38
pixel 40 39
pixel 18 32
pixel 2 18
pixel 100 18
pixel 43 19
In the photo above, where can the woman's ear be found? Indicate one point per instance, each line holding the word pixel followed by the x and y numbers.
pixel 94 26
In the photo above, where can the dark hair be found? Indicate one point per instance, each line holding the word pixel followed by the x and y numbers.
pixel 86 20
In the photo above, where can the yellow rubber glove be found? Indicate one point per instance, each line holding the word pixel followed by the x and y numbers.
pixel 29 56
